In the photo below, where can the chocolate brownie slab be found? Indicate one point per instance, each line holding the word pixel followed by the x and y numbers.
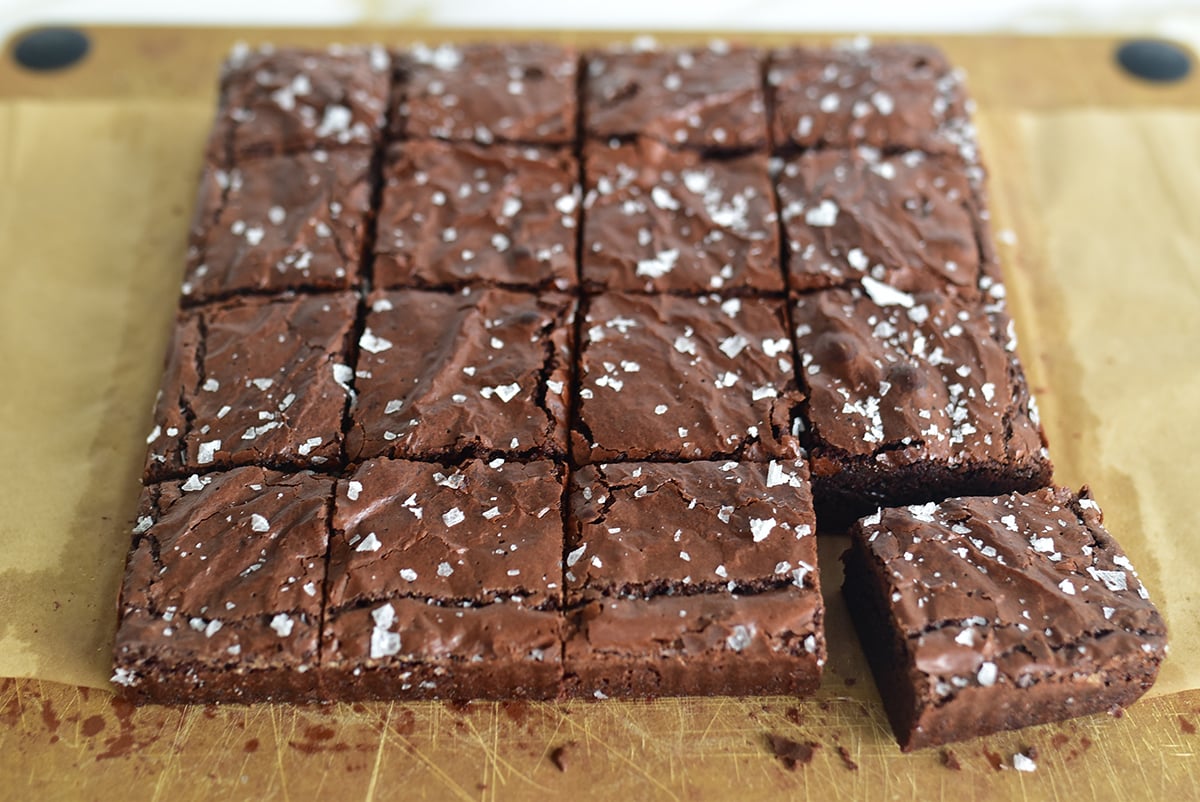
pixel 222 594
pixel 692 578
pixel 911 221
pixel 662 220
pixel 708 98
pixel 254 382
pixel 889 96
pixel 475 373
pixel 667 378
pixel 278 223
pixel 295 101
pixel 454 214
pixel 445 582
pixel 988 614
pixel 488 93
pixel 911 397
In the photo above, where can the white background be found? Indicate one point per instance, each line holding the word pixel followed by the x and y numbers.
pixel 1179 19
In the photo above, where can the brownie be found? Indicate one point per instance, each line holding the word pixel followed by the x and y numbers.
pixel 476 373
pixel 911 398
pixel 890 96
pixel 911 221
pixel 987 614
pixel 280 222
pixel 295 101
pixel 692 578
pixel 254 382
pixel 222 594
pixel 667 378
pixel 708 98
pixel 489 93
pixel 445 582
pixel 676 221
pixel 454 214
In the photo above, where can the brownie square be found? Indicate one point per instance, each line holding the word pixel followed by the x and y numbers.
pixel 911 221
pixel 489 93
pixel 709 98
pixel 445 582
pixel 476 373
pixel 661 220
pixel 455 214
pixel 911 397
pixel 692 578
pixel 667 378
pixel 987 614
pixel 892 96
pixel 254 382
pixel 278 223
pixel 222 594
pixel 294 101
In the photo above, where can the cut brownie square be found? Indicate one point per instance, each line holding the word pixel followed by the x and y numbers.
pixel 258 381
pixel 911 397
pixel 278 223
pixel 692 578
pixel 222 593
pixel 445 582
pixel 911 221
pixel 709 98
pixel 292 101
pixel 662 220
pixel 891 96
pixel 665 378
pixel 454 214
pixel 478 373
pixel 487 93
pixel 988 614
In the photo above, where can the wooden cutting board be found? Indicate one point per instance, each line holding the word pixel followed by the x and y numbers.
pixel 151 91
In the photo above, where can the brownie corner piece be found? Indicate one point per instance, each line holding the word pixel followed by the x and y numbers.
pixel 456 214
pixel 445 582
pixel 222 595
pixel 986 614
pixel 693 578
pixel 488 93
pixel 708 98
pixel 479 373
pixel 890 96
pixel 294 100
pixel 663 377
pixel 911 397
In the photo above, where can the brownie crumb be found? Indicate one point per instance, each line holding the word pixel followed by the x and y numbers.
pixel 847 761
pixel 791 753
pixel 1186 726
pixel 560 755
pixel 950 761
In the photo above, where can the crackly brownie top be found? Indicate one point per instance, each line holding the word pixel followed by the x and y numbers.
pixel 658 219
pixel 910 220
pixel 709 98
pixel 890 96
pixel 228 562
pixel 489 93
pixel 455 213
pixel 665 378
pixel 482 372
pixel 641 529
pixel 292 100
pixel 254 382
pixel 471 534
pixel 280 222
pixel 913 376
pixel 1007 589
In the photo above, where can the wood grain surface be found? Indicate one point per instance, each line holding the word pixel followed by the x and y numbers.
pixel 124 130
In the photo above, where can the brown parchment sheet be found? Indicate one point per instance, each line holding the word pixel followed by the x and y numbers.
pixel 1103 268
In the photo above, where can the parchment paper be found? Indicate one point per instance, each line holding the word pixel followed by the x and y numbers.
pixel 1104 277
